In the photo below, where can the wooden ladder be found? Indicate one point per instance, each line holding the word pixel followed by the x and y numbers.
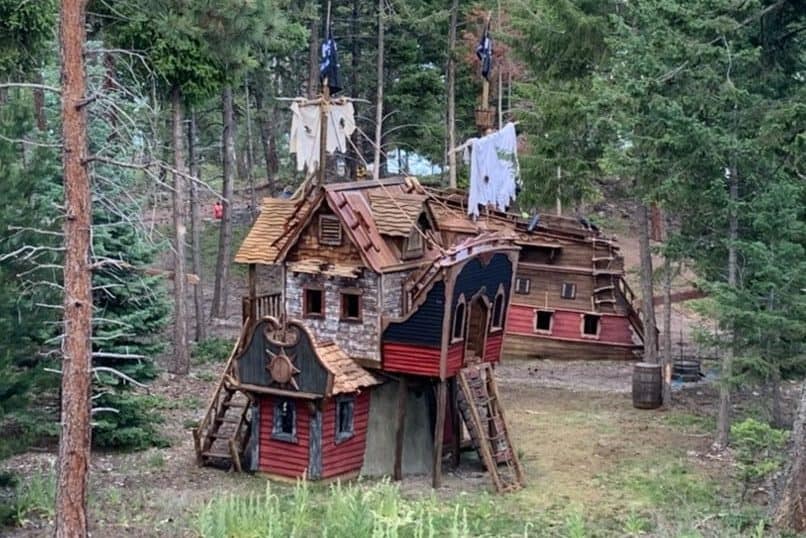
pixel 604 282
pixel 223 433
pixel 484 417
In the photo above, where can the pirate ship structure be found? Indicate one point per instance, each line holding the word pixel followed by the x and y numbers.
pixel 376 353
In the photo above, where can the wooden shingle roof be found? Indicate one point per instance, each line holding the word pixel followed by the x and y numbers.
pixel 348 375
pixel 396 216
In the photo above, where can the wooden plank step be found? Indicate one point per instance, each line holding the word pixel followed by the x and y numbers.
pixel 605 301
pixel 604 288
pixel 232 405
pixel 603 258
pixel 216 454
pixel 229 420
pixel 597 272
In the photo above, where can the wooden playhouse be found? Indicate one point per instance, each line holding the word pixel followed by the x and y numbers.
pixel 378 347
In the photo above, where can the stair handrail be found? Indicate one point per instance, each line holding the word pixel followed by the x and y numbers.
pixel 211 408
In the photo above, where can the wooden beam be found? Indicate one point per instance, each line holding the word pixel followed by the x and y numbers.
pixel 253 292
pixel 456 417
pixel 439 431
pixel 402 396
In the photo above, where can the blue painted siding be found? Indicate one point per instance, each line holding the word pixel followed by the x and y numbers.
pixel 474 275
pixel 424 327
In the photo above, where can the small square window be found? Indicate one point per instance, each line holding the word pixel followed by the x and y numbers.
pixel 569 290
pixel 284 425
pixel 590 325
pixel 351 306
pixel 523 285
pixel 345 410
pixel 313 303
pixel 543 320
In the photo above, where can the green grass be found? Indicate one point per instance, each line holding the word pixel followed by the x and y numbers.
pixel 32 498
pixel 690 423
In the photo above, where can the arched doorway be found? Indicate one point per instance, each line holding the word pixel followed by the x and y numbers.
pixel 478 320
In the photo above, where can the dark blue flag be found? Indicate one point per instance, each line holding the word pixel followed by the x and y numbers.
pixel 329 64
pixel 484 51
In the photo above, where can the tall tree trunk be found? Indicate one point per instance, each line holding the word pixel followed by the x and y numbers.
pixel 74 442
pixel 250 159
pixel 376 163
pixel 452 95
pixel 219 308
pixel 775 396
pixel 789 510
pixel 723 418
pixel 647 306
pixel 180 364
pixel 267 138
pixel 195 232
pixel 313 58
pixel 667 360
pixel 355 54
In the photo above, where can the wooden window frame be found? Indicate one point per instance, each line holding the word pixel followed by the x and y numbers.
pixel 528 282
pixel 463 328
pixel 276 433
pixel 351 293
pixel 306 313
pixel 551 321
pixel 499 296
pixel 410 252
pixel 322 239
pixel 344 435
pixel 573 291
pixel 598 325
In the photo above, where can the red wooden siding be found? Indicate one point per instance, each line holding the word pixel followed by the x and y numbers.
pixel 411 359
pixel 280 457
pixel 456 358
pixel 567 325
pixel 347 456
pixel 492 351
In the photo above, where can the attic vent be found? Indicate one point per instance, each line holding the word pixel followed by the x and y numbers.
pixel 329 230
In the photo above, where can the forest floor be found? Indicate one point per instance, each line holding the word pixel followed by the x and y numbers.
pixel 584 448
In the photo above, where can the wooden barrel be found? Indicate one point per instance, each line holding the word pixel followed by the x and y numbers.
pixel 687 370
pixel 647 386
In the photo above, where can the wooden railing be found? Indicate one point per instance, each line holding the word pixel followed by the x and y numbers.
pixel 264 305
pixel 633 307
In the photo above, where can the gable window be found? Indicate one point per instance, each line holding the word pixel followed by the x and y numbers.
pixel 414 243
pixel 350 306
pixel 313 303
pixel 459 320
pixel 569 291
pixel 590 325
pixel 543 320
pixel 284 425
pixel 523 285
pixel 329 230
pixel 345 411
pixel 497 321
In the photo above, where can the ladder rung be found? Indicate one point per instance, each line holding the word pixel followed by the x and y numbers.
pixel 216 454
pixel 605 301
pixel 228 420
pixel 604 288
pixel 603 259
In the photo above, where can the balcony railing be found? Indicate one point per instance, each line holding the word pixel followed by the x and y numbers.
pixel 263 305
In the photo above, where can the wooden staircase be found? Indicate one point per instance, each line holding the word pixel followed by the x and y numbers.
pixel 223 433
pixel 484 417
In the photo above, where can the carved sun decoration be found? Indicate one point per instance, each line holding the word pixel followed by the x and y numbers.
pixel 281 368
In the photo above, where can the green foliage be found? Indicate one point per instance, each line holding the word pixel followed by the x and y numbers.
pixel 353 510
pixel 31 498
pixel 25 30
pixel 135 425
pixel 759 449
pixel 214 349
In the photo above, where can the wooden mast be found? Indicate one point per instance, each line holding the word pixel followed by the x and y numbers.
pixel 323 109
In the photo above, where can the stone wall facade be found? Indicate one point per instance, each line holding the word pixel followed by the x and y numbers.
pixel 359 339
pixel 392 301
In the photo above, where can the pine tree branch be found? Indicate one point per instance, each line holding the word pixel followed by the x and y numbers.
pixel 29 85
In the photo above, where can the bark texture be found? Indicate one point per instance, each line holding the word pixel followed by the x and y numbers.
pixel 451 90
pixel 790 507
pixel 195 232
pixel 667 359
pixel 181 360
pixel 647 306
pixel 74 442
pixel 220 291
pixel 376 161
pixel 723 418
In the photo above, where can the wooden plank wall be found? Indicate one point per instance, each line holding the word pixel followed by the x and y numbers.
pixel 348 456
pixel 281 457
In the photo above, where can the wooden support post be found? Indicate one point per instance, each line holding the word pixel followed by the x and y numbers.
pixel 456 417
pixel 253 292
pixel 439 432
pixel 402 397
